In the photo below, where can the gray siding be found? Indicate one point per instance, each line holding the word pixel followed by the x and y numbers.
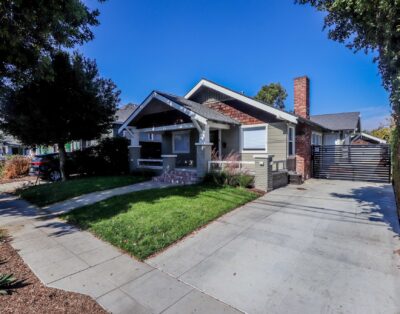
pixel 230 140
pixel 277 140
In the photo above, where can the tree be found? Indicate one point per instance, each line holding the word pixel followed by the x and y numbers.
pixel 371 26
pixel 383 133
pixel 73 103
pixel 30 31
pixel 273 94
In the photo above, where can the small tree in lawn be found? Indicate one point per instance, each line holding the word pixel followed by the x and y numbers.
pixel 273 94
pixel 71 103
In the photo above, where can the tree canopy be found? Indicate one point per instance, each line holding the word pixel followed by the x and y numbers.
pixel 273 95
pixel 370 26
pixel 31 30
pixel 73 103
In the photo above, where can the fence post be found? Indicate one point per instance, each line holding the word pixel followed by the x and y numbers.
pixel 263 172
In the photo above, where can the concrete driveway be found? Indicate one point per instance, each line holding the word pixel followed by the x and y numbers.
pixel 323 247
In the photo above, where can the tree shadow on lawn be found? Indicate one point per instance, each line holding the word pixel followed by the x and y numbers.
pixel 377 203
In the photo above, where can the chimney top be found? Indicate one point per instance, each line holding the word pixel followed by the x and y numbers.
pixel 302 97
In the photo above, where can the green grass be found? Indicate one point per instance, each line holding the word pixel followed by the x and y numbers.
pixel 145 222
pixel 46 194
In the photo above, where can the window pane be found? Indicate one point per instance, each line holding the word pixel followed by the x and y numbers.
pixel 181 142
pixel 291 134
pixel 254 138
pixel 291 148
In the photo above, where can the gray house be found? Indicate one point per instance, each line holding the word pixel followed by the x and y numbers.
pixel 342 127
pixel 190 133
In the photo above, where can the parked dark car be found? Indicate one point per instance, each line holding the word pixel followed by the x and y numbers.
pixel 47 166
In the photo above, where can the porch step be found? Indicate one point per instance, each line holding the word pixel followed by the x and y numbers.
pixel 178 177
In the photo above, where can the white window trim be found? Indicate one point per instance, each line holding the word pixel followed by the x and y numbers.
pixel 316 133
pixel 173 142
pixel 294 140
pixel 255 151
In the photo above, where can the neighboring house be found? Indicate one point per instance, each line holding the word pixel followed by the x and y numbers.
pixel 120 117
pixel 213 117
pixel 343 126
pixel 366 139
pixel 11 146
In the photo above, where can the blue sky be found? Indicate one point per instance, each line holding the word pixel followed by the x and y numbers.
pixel 241 44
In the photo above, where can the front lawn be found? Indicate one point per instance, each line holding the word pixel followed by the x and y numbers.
pixel 45 194
pixel 145 222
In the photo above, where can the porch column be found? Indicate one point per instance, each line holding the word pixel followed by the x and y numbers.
pixel 203 156
pixel 203 148
pixel 169 162
pixel 134 149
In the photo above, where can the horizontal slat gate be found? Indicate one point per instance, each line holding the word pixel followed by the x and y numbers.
pixel 352 162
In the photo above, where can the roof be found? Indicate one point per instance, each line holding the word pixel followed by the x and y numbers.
pixel 200 109
pixel 371 137
pixel 124 112
pixel 6 139
pixel 338 121
pixel 191 108
pixel 280 114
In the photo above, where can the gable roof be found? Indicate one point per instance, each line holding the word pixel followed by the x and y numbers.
pixel 370 137
pixel 192 109
pixel 280 114
pixel 124 112
pixel 208 113
pixel 338 121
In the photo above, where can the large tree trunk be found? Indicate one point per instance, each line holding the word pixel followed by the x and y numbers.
pixel 63 158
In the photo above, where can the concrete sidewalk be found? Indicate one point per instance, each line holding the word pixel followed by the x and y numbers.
pixel 67 258
pixel 94 197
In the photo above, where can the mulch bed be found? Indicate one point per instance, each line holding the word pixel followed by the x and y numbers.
pixel 33 296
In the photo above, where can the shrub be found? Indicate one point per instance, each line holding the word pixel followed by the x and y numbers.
pixel 16 166
pixel 113 154
pixel 244 180
pixel 7 281
pixel 109 157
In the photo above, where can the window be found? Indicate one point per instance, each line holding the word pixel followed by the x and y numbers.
pixel 181 142
pixel 316 138
pixel 254 138
pixel 291 141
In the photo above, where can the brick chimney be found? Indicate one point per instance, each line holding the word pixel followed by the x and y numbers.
pixel 302 97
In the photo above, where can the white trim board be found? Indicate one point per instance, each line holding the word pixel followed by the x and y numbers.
pixel 374 138
pixel 172 127
pixel 277 113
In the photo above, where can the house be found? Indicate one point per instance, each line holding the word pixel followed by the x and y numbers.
pixel 121 115
pixel 11 146
pixel 180 132
pixel 366 139
pixel 343 126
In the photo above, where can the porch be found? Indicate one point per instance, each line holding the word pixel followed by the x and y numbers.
pixel 170 133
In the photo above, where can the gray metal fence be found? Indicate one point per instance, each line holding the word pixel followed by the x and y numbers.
pixel 352 162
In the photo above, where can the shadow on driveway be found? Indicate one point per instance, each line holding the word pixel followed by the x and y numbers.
pixel 377 204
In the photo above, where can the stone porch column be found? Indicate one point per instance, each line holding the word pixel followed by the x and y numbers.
pixel 169 162
pixel 203 156
pixel 263 172
pixel 134 155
